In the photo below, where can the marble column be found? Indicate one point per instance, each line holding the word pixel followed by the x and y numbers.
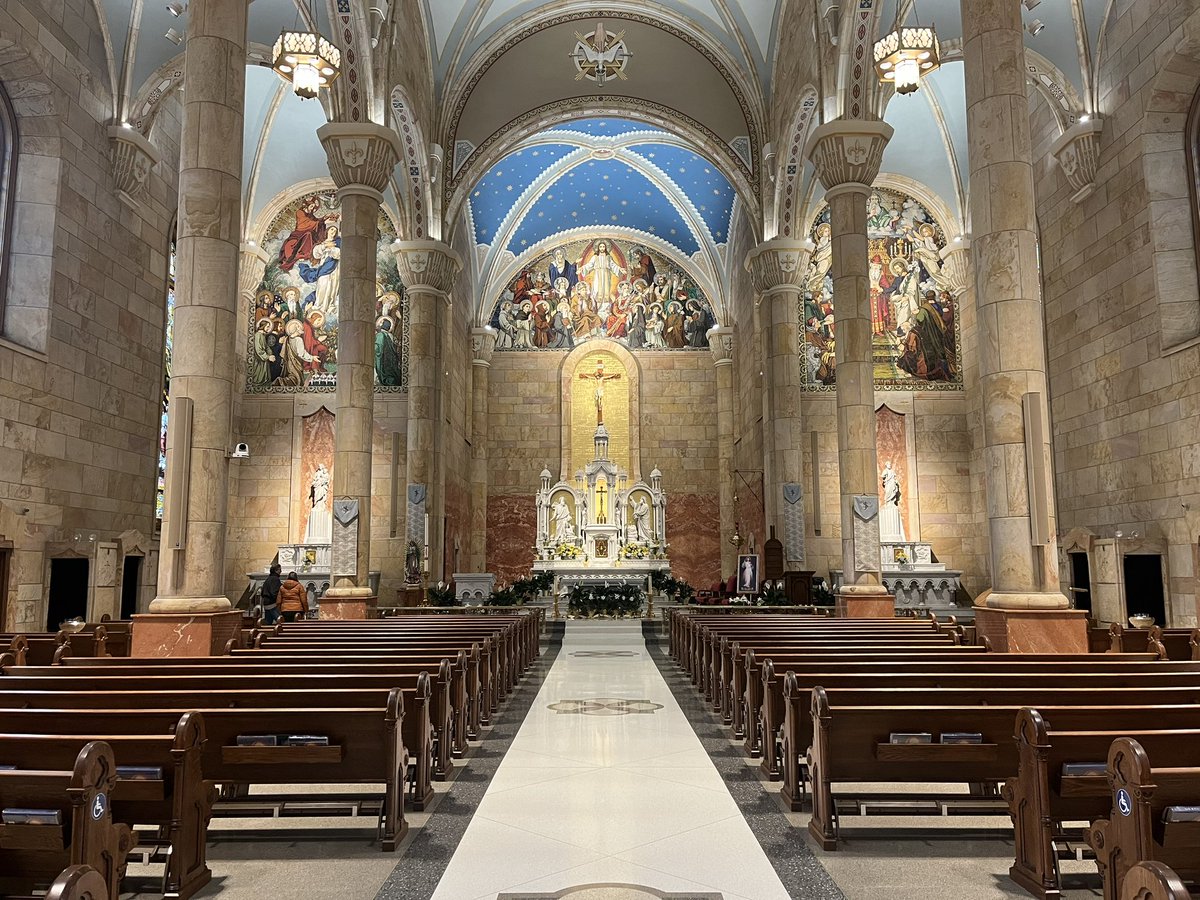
pixel 720 341
pixel 429 270
pixel 191 576
pixel 483 343
pixel 777 269
pixel 1011 325
pixel 847 155
pixel 361 158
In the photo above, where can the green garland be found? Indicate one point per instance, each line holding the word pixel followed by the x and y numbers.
pixel 522 590
pixel 603 600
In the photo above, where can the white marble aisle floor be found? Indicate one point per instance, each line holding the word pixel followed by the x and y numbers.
pixel 607 799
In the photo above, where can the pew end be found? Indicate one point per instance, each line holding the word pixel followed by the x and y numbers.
pixel 1153 881
pixel 78 883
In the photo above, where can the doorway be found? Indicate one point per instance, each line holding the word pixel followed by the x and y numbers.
pixel 68 591
pixel 1081 582
pixel 1144 594
pixel 131 585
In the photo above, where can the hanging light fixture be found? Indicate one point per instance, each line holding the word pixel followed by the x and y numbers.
pixel 306 59
pixel 906 54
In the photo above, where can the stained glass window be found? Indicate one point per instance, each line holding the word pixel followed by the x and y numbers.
pixel 166 386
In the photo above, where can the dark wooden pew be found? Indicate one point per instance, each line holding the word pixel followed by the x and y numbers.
pixel 1177 643
pixel 851 730
pixel 366 731
pixel 217 681
pixel 1137 829
pixel 1154 881
pixel 1041 796
pixel 50 648
pixel 33 855
pixel 78 883
pixel 179 803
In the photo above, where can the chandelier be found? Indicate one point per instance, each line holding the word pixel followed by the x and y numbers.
pixel 307 60
pixel 906 54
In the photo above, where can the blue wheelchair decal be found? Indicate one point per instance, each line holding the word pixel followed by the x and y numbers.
pixel 1124 803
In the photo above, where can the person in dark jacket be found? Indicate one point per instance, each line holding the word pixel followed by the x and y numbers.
pixel 270 596
pixel 293 599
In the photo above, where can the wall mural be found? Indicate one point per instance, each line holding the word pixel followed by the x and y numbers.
pixel 914 314
pixel 602 289
pixel 293 325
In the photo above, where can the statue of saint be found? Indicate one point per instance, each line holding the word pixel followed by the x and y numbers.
pixel 320 515
pixel 641 519
pixel 891 523
pixel 564 530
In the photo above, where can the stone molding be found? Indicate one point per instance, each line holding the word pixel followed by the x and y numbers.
pixel 720 342
pixel 1078 154
pixel 133 158
pixel 848 151
pixel 483 343
pixel 361 155
pixel 779 265
pixel 956 266
pixel 427 267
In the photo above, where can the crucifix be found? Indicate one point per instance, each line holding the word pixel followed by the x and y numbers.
pixel 602 503
pixel 599 378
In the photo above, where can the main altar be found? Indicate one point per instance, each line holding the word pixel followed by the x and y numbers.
pixel 601 529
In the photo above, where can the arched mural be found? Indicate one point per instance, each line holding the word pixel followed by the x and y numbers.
pixel 293 323
pixel 914 313
pixel 602 288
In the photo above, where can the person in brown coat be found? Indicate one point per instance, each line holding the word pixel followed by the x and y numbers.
pixel 293 599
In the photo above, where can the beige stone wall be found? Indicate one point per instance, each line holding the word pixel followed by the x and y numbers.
pixel 79 413
pixel 1126 413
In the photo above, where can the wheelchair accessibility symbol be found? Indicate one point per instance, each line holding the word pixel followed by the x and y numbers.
pixel 99 806
pixel 1124 804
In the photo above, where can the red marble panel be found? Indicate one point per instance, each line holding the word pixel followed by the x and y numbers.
pixel 694 533
pixel 511 536
pixel 891 444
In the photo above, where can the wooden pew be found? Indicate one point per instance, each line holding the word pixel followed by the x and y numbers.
pixel 47 648
pixel 1041 796
pixel 364 728
pixel 179 803
pixel 33 855
pixel 851 731
pixel 1153 881
pixel 78 883
pixel 219 682
pixel 1177 643
pixel 1136 830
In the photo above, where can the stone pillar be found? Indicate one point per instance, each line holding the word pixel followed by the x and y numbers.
pixel 429 270
pixel 777 269
pixel 720 341
pixel 847 154
pixel 483 342
pixel 1031 612
pixel 361 159
pixel 191 615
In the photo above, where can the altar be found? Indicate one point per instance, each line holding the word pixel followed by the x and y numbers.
pixel 601 529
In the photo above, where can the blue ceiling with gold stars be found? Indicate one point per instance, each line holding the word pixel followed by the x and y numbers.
pixel 606 172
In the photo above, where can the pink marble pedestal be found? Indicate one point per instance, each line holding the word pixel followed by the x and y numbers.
pixel 866 606
pixel 1033 630
pixel 349 608
pixel 184 634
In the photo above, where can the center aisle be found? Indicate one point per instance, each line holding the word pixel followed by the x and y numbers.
pixel 607 783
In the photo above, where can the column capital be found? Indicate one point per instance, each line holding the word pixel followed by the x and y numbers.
pixel 133 158
pixel 483 342
pixel 720 342
pixel 956 266
pixel 252 263
pixel 779 265
pixel 848 152
pixel 1078 153
pixel 361 156
pixel 427 267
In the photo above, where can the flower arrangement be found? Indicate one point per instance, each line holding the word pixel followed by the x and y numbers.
pixel 634 551
pixel 567 551
pixel 619 601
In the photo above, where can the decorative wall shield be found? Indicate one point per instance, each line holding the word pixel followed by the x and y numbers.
pixel 345 510
pixel 866 507
pixel 416 494
pixel 792 493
